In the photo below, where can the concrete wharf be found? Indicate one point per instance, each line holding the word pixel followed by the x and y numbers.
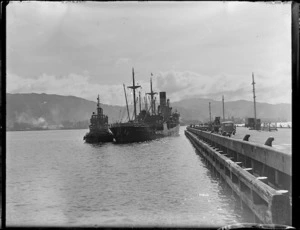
pixel 258 174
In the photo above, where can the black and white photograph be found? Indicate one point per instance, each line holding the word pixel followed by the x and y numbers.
pixel 148 114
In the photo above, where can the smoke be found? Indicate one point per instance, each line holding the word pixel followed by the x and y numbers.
pixel 55 114
pixel 36 122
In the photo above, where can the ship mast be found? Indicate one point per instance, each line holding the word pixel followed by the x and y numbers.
pixel 146 105
pixel 98 102
pixel 140 102
pixel 134 87
pixel 253 83
pixel 152 94
pixel 99 112
pixel 223 108
pixel 126 102
pixel 209 113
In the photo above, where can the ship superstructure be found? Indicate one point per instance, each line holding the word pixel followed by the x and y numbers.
pixel 164 121
pixel 150 123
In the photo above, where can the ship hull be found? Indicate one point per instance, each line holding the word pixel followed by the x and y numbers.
pixel 130 134
pixel 168 131
pixel 98 137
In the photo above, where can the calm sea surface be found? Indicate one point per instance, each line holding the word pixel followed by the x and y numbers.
pixel 55 179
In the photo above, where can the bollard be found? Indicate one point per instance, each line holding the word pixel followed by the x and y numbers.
pixel 269 141
pixel 246 137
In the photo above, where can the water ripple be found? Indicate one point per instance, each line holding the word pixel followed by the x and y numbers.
pixel 53 178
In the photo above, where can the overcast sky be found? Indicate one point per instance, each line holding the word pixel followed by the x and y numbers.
pixel 193 49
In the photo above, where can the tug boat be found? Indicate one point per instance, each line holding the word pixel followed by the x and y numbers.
pixel 99 128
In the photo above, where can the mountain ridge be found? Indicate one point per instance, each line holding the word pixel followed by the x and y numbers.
pixel 52 110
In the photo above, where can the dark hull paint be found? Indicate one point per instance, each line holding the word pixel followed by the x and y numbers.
pixel 98 137
pixel 130 133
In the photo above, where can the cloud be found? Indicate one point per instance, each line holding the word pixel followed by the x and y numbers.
pixel 187 84
pixel 215 41
pixel 122 61
pixel 174 81
pixel 72 84
pixel 178 85
pixel 218 44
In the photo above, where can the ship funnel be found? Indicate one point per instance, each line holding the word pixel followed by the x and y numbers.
pixel 162 97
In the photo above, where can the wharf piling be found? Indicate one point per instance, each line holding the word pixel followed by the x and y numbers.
pixel 259 175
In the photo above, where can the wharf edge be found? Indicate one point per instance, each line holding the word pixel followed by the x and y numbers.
pixel 259 175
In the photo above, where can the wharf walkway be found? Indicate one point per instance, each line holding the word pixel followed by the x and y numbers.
pixel 282 137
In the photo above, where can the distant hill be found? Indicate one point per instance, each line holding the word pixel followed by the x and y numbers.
pixel 49 110
pixel 53 110
pixel 198 108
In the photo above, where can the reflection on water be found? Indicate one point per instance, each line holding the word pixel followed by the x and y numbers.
pixel 54 179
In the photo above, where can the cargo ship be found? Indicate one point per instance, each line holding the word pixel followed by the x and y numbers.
pixel 150 123
pixel 99 128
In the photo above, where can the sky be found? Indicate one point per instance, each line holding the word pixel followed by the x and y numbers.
pixel 193 49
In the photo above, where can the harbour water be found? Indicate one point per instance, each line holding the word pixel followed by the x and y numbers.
pixel 55 179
